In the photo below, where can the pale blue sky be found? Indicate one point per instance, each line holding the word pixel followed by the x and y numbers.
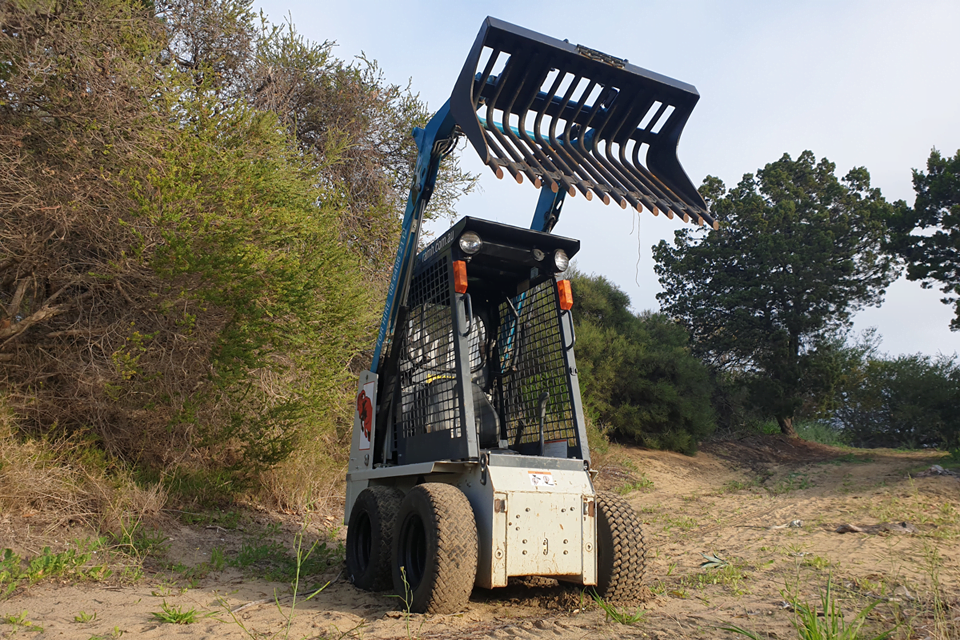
pixel 862 82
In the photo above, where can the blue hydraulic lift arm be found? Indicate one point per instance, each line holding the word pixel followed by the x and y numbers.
pixel 433 143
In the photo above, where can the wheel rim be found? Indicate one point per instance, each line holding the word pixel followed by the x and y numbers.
pixel 413 550
pixel 363 542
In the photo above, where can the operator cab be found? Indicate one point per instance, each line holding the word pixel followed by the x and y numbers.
pixel 486 360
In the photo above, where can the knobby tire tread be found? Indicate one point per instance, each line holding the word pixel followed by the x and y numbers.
pixel 452 557
pixel 622 553
pixel 386 504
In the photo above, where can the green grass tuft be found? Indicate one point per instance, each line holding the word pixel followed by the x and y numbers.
pixel 614 613
pixel 175 614
pixel 826 623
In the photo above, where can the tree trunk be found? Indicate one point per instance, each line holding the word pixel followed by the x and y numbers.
pixel 786 427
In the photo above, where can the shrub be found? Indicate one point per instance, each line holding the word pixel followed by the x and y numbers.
pixel 910 401
pixel 637 375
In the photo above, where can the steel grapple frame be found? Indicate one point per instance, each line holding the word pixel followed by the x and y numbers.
pixel 573 118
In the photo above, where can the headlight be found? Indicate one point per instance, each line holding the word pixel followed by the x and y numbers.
pixel 560 260
pixel 470 243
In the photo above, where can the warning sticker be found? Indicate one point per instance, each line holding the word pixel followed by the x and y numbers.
pixel 365 411
pixel 541 479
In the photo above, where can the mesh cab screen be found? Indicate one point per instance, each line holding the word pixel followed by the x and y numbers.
pixel 532 364
pixel 429 399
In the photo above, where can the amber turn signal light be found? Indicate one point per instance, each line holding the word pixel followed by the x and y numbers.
pixel 460 276
pixel 566 294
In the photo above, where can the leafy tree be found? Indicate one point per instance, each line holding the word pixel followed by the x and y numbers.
pixel 638 377
pixel 835 364
pixel 928 235
pixel 910 401
pixel 797 253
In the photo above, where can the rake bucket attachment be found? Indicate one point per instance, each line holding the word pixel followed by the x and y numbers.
pixel 572 118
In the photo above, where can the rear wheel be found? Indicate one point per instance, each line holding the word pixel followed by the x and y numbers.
pixel 435 549
pixel 620 551
pixel 369 537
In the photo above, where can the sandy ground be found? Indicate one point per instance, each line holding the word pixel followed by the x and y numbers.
pixel 730 501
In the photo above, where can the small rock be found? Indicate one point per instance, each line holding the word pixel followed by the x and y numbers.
pixel 903 592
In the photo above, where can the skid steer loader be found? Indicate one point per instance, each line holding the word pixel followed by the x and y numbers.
pixel 469 461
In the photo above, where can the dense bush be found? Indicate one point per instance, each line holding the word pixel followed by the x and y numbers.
pixel 195 213
pixel 637 375
pixel 909 402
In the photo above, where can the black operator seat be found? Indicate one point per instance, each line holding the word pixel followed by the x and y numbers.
pixel 483 370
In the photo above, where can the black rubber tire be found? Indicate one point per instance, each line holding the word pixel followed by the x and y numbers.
pixel 621 559
pixel 370 537
pixel 435 542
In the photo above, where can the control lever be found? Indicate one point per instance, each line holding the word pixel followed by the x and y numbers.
pixel 543 417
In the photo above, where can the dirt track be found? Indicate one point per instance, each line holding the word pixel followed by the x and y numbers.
pixel 732 500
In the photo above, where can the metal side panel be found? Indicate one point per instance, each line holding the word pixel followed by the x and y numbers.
pixel 544 534
pixel 498 552
pixel 361 444
pixel 491 526
pixel 589 532
pixel 549 516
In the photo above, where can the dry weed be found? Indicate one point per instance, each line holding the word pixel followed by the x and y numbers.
pixel 67 480
pixel 310 479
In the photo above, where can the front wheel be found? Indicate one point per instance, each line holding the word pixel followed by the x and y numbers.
pixel 435 549
pixel 369 537
pixel 621 560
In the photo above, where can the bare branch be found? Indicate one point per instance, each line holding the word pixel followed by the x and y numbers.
pixel 17 298
pixel 13 331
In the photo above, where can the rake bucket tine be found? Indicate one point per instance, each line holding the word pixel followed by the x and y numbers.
pixel 569 162
pixel 576 144
pixel 570 146
pixel 534 170
pixel 482 79
pixel 608 161
pixel 485 75
pixel 501 160
pixel 612 182
pixel 661 199
pixel 555 145
pixel 538 133
pixel 589 178
pixel 545 165
pixel 520 138
pixel 648 183
pixel 600 184
pixel 666 203
pixel 635 114
pixel 622 189
pixel 516 158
